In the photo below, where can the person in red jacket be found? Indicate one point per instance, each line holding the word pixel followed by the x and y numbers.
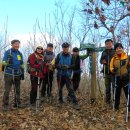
pixel 38 69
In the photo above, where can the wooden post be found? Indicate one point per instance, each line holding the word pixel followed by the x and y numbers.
pixel 93 78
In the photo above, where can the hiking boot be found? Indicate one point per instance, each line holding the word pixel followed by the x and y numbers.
pixel 33 106
pixel 68 99
pixel 76 106
pixel 108 106
pixel 43 99
pixel 6 108
pixel 60 103
pixel 17 105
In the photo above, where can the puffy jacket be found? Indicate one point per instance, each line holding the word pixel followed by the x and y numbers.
pixel 39 65
pixel 64 59
pixel 121 63
pixel 107 55
pixel 15 68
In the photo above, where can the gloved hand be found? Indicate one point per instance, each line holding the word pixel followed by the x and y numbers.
pixel 115 69
pixel 65 67
pixel 22 75
pixel 10 60
pixel 104 62
pixel 123 62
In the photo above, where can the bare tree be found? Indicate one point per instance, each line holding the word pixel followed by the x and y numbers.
pixel 106 15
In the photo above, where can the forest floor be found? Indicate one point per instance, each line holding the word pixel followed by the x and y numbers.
pixel 52 117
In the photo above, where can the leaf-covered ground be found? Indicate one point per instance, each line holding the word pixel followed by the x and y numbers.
pixel 53 117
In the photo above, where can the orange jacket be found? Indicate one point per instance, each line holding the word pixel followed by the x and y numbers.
pixel 121 63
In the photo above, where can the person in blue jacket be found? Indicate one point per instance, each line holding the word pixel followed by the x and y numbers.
pixel 65 63
pixel 13 73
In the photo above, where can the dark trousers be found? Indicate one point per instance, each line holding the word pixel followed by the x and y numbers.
pixel 121 83
pixel 109 79
pixel 47 84
pixel 8 82
pixel 76 81
pixel 64 80
pixel 34 85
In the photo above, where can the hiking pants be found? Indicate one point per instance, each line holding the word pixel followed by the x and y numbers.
pixel 10 81
pixel 34 85
pixel 121 83
pixel 76 81
pixel 47 84
pixel 64 80
pixel 109 79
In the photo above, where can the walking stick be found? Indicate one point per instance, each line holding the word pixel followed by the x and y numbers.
pixel 15 93
pixel 127 109
pixel 114 94
pixel 48 78
pixel 103 95
pixel 38 94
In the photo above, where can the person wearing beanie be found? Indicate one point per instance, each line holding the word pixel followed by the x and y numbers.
pixel 49 56
pixel 13 69
pixel 64 63
pixel 37 68
pixel 105 59
pixel 78 59
pixel 119 67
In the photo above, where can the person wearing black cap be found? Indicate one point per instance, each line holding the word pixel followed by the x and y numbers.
pixel 119 67
pixel 77 70
pixel 13 62
pixel 105 59
pixel 65 64
pixel 47 83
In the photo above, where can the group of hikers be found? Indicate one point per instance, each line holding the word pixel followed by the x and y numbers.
pixel 41 66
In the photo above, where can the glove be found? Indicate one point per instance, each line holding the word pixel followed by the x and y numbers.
pixel 115 70
pixel 104 62
pixel 10 60
pixel 22 75
pixel 65 67
pixel 123 62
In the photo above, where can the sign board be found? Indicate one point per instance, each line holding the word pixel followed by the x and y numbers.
pixel 91 47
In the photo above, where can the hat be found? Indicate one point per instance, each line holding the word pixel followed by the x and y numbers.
pixel 50 45
pixel 75 49
pixel 65 45
pixel 39 45
pixel 118 45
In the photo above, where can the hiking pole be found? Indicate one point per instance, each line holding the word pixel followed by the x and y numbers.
pixel 127 109
pixel 49 87
pixel 38 94
pixel 15 93
pixel 103 95
pixel 114 94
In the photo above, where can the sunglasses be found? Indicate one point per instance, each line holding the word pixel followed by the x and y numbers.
pixel 39 48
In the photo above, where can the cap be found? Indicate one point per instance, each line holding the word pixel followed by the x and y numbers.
pixel 50 45
pixel 65 45
pixel 118 45
pixel 75 49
